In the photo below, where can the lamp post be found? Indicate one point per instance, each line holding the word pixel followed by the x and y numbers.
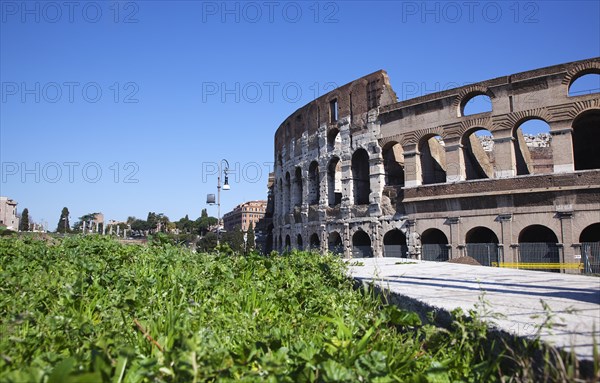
pixel 225 187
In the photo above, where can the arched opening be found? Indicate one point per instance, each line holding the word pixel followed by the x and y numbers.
pixel 288 243
pixel 393 163
pixel 299 244
pixel 394 244
pixel 538 249
pixel 313 183
pixel 434 246
pixel 288 193
pixel 361 245
pixel 334 140
pixel 279 197
pixel 482 245
pixel 586 130
pixel 433 160
pixel 478 103
pixel 533 154
pixel 586 84
pixel 360 177
pixel 315 242
pixel 478 150
pixel 334 182
pixel 335 243
pixel 298 187
pixel 269 240
pixel 590 249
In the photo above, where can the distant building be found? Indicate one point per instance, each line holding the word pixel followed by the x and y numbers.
pixel 8 214
pixel 244 214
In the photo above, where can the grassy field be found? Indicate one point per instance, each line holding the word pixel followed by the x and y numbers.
pixel 88 309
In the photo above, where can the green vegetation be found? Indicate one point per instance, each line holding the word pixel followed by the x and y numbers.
pixel 24 222
pixel 88 309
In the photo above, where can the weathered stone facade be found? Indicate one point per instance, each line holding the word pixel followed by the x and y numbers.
pixel 359 173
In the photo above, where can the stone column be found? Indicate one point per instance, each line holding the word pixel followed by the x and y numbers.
pixel 376 182
pixel 506 238
pixel 412 166
pixel 457 247
pixel 376 243
pixel 566 238
pixel 504 154
pixel 562 146
pixel 455 163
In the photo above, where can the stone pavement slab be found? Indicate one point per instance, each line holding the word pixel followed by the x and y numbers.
pixel 573 300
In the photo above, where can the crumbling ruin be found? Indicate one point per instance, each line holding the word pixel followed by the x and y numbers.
pixel 360 174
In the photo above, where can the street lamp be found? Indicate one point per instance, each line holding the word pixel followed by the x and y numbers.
pixel 211 201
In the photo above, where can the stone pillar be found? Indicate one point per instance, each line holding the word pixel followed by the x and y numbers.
pixel 506 238
pixel 457 248
pixel 346 241
pixel 376 182
pixel 412 166
pixel 505 164
pixel 455 164
pixel 376 242
pixel 566 238
pixel 562 146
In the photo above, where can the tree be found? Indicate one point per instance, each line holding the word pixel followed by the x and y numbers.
pixel 207 243
pixel 24 223
pixel 63 223
pixel 251 243
pixel 235 239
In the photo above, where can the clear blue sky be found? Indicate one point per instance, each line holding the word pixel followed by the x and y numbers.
pixel 184 84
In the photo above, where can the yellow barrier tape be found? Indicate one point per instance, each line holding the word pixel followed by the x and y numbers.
pixel 518 265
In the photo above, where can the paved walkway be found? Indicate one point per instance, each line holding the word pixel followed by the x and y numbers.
pixel 574 300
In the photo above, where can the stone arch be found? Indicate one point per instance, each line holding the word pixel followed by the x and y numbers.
pixel 478 153
pixel 269 242
pixel 586 129
pixel 393 163
pixel 288 243
pixel 334 181
pixel 538 244
pixel 591 233
pixel 334 140
pixel 361 245
pixel 394 244
pixel 360 177
pixel 533 153
pixel 299 243
pixel 467 94
pixel 432 159
pixel 335 244
pixel 288 193
pixel 586 83
pixel 298 189
pixel 313 183
pixel 481 244
pixel 315 242
pixel 580 70
pixel 434 245
pixel 590 248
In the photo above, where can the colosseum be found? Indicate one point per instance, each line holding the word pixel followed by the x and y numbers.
pixel 363 175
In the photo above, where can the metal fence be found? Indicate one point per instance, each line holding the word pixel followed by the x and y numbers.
pixel 590 257
pixel 397 251
pixel 484 253
pixel 362 252
pixel 435 252
pixel 336 249
pixel 539 256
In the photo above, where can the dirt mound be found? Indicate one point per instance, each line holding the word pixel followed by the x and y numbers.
pixel 466 260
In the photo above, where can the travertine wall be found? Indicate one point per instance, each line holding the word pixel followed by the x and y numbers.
pixel 393 174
